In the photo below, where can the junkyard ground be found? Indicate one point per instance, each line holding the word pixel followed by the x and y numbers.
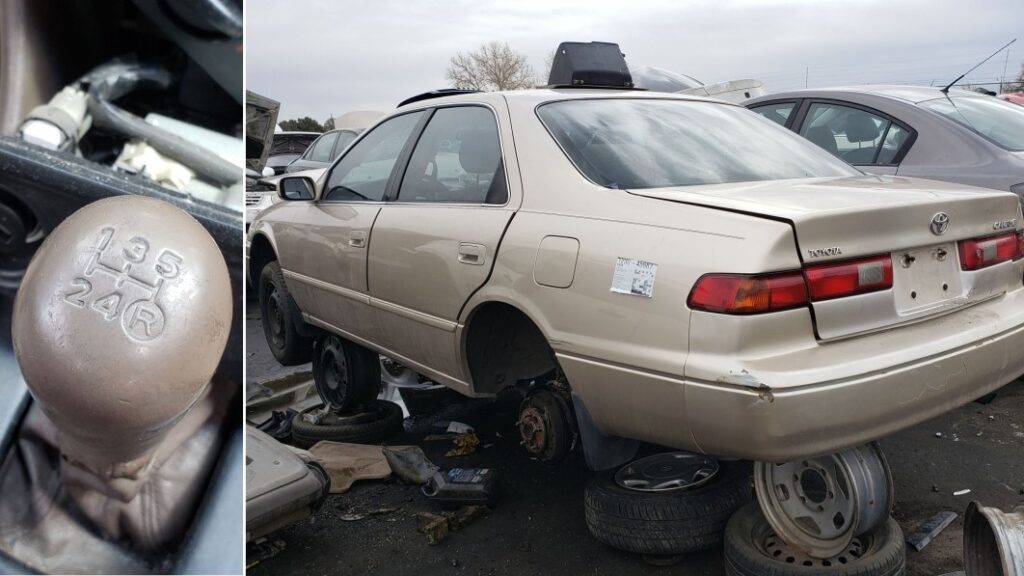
pixel 537 526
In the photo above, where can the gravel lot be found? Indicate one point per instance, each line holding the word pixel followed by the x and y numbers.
pixel 537 526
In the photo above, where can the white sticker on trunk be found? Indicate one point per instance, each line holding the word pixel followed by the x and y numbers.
pixel 634 277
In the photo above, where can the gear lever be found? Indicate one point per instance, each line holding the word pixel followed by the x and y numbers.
pixel 119 324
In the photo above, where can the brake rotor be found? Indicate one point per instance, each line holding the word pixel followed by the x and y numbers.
pixel 546 426
pixel 819 505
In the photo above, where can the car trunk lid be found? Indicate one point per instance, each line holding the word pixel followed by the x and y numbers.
pixel 918 223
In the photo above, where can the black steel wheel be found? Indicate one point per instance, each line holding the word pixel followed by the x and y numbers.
pixel 276 309
pixel 346 374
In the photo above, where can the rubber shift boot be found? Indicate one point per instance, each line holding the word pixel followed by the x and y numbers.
pixel 58 517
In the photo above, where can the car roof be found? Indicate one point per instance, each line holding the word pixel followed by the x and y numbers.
pixel 912 94
pixel 296 133
pixel 540 95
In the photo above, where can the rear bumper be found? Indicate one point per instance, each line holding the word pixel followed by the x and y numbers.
pixel 811 401
pixel 782 425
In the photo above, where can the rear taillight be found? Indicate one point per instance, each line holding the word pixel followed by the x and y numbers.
pixel 1020 246
pixel 828 281
pixel 981 253
pixel 760 293
pixel 740 294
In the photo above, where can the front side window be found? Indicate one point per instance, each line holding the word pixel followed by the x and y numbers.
pixel 457 160
pixel 778 112
pixel 321 149
pixel 362 174
pixel 852 134
pixel 1000 122
pixel 651 143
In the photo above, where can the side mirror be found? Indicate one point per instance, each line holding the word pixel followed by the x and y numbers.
pixel 268 171
pixel 296 188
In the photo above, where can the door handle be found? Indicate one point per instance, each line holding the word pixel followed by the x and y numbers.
pixel 472 254
pixel 357 239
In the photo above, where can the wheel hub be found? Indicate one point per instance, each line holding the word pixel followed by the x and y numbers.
pixel 275 318
pixel 532 430
pixel 334 369
pixel 547 429
pixel 819 505
pixel 668 471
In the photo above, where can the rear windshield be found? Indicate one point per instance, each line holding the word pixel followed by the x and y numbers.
pixel 291 143
pixel 621 143
pixel 1000 122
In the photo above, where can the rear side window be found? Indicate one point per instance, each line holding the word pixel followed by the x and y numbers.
pixel 1000 122
pixel 344 139
pixel 321 150
pixel 651 143
pixel 852 134
pixel 778 112
pixel 363 172
pixel 457 160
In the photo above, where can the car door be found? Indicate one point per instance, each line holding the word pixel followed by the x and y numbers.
pixel 866 138
pixel 323 244
pixel 435 243
pixel 317 155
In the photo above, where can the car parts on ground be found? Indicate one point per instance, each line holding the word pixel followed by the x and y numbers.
pixel 547 425
pixel 753 549
pixel 993 541
pixel 281 488
pixel 818 505
pixel 666 505
pixel 370 422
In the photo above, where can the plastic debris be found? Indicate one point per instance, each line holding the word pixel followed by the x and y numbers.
pixel 927 532
pixel 459 428
pixel 410 464
pixel 962 492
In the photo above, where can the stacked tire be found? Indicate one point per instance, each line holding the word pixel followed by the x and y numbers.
pixel 668 523
pixel 753 549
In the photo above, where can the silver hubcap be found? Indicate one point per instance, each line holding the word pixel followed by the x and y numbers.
pixel 818 505
pixel 669 471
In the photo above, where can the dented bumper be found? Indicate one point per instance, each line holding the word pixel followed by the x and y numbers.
pixel 810 400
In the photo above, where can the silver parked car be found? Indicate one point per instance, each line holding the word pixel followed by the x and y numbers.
pixel 962 136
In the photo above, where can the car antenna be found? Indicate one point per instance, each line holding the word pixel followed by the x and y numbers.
pixel 959 78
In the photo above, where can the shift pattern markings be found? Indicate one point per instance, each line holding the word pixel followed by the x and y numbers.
pixel 120 287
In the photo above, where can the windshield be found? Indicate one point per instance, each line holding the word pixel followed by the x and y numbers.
pixel 1000 122
pixel 620 143
pixel 291 143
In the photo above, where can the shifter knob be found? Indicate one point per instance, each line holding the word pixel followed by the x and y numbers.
pixel 119 324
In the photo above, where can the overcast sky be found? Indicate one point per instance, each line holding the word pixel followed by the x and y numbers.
pixel 322 58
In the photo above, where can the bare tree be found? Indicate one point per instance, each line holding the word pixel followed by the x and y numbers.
pixel 493 66
pixel 549 61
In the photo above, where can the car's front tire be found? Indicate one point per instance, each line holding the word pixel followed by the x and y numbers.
pixel 276 313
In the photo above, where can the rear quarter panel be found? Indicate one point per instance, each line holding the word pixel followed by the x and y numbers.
pixel 587 320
